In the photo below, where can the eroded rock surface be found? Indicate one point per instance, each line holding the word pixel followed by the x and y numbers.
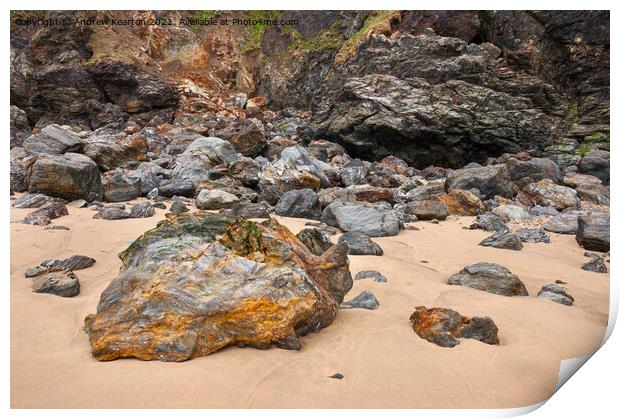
pixel 200 282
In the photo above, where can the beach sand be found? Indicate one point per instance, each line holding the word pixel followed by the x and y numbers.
pixel 384 363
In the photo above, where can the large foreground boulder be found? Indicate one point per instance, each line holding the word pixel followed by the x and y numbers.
pixel 70 176
pixel 200 282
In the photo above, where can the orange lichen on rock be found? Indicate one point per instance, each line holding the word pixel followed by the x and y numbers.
pixel 200 282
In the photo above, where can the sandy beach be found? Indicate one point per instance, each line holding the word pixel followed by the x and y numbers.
pixel 384 363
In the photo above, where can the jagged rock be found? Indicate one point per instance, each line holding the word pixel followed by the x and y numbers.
pixel 325 150
pixel 538 210
pixel 78 203
pixel 20 128
pixel 213 199
pixel 360 244
pixel 299 203
pixel 444 327
pixel 142 210
pixel 70 176
pixel 596 163
pixel 365 300
pixel 557 294
pixel 245 170
pixel 294 170
pixel 533 235
pixel 54 139
pixel 460 202
pixel 546 192
pixel 488 180
pixel 596 264
pixel 202 155
pixel 30 200
pixel 112 214
pixel 72 263
pixel 20 163
pixel 249 210
pixel 366 193
pixel 63 284
pixel 510 213
pixel 116 150
pixel 431 190
pixel 503 240
pixel 374 275
pixel 315 240
pixel 366 219
pixel 354 172
pixel 178 187
pixel 428 209
pixel 244 283
pixel 117 186
pixel 490 222
pixel 489 277
pixel 564 223
pixel 522 173
pixel 246 136
pixel 589 188
pixel 178 207
pixel 46 213
pixel 593 232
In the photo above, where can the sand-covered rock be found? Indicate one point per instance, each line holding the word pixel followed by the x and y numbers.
pixel 444 327
pixel 557 294
pixel 63 284
pixel 503 240
pixel 200 282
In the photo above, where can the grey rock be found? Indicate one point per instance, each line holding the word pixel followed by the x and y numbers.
pixel 20 128
pixel 70 176
pixel 510 213
pixel 363 218
pixel 354 172
pixel 557 294
pixel 315 240
pixel 63 284
pixel 30 200
pixel 503 240
pixel 489 277
pixel 531 171
pixel 299 203
pixel 545 192
pixel 533 235
pixel 112 214
pixel 490 222
pixel 360 244
pixel 374 275
pixel 596 163
pixel 365 300
pixel 54 139
pixel 178 187
pixel 142 210
pixel 564 223
pixel 178 207
pixel 596 264
pixel 540 210
pixel 47 212
pixel 428 209
pixel 249 210
pixel 593 232
pixel 214 199
pixel 489 180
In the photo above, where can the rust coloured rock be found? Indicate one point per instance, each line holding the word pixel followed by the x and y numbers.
pixel 200 282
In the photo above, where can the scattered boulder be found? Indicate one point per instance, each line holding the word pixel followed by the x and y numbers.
pixel 249 210
pixel 178 207
pixel 524 172
pixel 366 219
pixel 315 240
pixel 545 192
pixel 444 327
pixel 538 210
pixel 510 213
pixel 176 187
pixel 593 232
pixel 490 222
pixel 557 294
pixel 299 203
pixel 365 300
pixel 488 180
pixel 72 263
pixel 596 264
pixel 112 214
pixel 63 284
pixel 70 176
pixel 360 244
pixel 251 284
pixel 461 202
pixel 142 210
pixel 31 200
pixel 246 136
pixel 214 199
pixel 489 277
pixel 503 240
pixel 564 223
pixel 374 275
pixel 533 235
pixel 596 163
pixel 46 213
pixel 428 209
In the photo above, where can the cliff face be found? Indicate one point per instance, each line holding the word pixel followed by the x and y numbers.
pixel 480 83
